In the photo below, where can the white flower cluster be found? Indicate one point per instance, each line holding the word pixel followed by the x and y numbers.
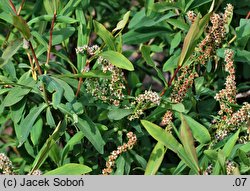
pixel 5 165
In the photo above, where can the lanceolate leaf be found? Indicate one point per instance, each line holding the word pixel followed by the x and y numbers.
pixel 12 49
pixel 69 146
pixel 169 141
pixel 146 55
pixel 227 149
pixel 22 26
pixel 121 24
pixel 118 60
pixel 106 36
pixel 44 151
pixel 188 142
pixel 200 132
pixel 15 95
pixel 91 132
pixel 155 159
pixel 27 123
pixel 70 169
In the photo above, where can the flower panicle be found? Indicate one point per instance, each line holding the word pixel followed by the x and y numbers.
pixel 120 149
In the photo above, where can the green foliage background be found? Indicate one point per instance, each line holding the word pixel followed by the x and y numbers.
pixel 45 126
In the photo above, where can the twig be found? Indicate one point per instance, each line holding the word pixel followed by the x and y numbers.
pixel 13 7
pixel 50 37
pixel 35 58
pixel 81 79
pixel 248 15
pixel 20 8
pixel 171 80
pixel 175 73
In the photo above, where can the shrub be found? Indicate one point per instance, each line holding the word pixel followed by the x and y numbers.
pixel 171 76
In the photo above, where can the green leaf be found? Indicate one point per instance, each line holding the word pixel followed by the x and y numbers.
pixel 17 111
pixel 160 135
pixel 60 35
pixel 15 95
pixel 70 169
pixel 178 24
pixel 165 6
pixel 91 132
pixel 44 151
pixel 55 154
pixel 82 37
pixel 90 74
pixel 22 26
pixel 68 91
pixel 59 19
pixel 198 3
pixel 121 24
pixel 228 148
pixel 188 142
pixel 146 55
pixel 192 38
pixel 242 33
pixel 245 147
pixel 28 122
pixel 155 159
pixel 48 5
pixel 117 114
pixel 73 141
pixel 141 20
pixel 169 141
pixel 211 154
pixel 175 42
pixel 243 157
pixel 118 60
pixel 178 107
pixel 199 131
pixel 149 6
pixel 53 87
pixel 70 7
pixel 10 51
pixel 139 159
pixel 49 118
pixel 40 39
pixel 144 34
pixel 172 62
pixel 36 131
pixel 120 165
pixel 106 36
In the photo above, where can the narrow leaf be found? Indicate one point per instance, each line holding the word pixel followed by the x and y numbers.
pixel 199 131
pixel 22 26
pixel 70 169
pixel 228 148
pixel 118 60
pixel 91 132
pixel 155 159
pixel 27 124
pixel 106 36
pixel 188 142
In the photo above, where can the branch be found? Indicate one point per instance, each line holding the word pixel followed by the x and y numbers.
pixel 50 38
pixel 20 8
pixel 13 6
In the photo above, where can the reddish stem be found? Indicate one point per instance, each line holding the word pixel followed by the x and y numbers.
pixel 35 58
pixel 20 8
pixel 50 38
pixel 171 80
pixel 81 80
pixel 248 15
pixel 13 6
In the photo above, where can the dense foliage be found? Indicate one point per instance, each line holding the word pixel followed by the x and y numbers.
pixel 124 87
